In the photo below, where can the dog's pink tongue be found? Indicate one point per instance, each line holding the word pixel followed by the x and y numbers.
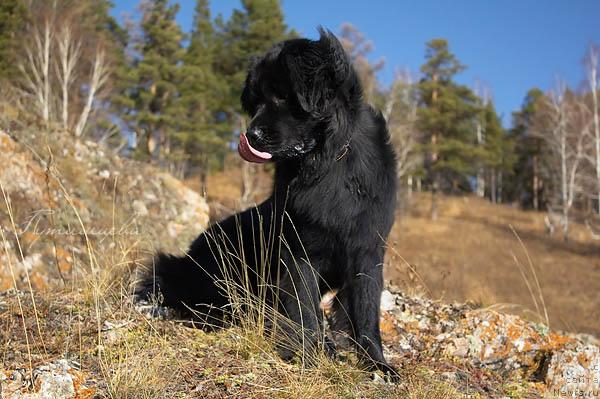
pixel 251 154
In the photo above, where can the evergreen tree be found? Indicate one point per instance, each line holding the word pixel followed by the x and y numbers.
pixel 248 33
pixel 526 184
pixel 446 120
pixel 12 23
pixel 204 142
pixel 497 155
pixel 157 76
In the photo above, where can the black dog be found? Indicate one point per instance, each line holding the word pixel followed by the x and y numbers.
pixel 330 212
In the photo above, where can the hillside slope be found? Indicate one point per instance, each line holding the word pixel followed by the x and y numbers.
pixel 480 252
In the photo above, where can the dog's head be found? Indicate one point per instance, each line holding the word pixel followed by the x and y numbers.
pixel 291 93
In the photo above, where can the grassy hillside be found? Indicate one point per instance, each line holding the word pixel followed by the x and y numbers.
pixel 481 252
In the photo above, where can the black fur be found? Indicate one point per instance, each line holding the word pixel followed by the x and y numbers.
pixel 330 212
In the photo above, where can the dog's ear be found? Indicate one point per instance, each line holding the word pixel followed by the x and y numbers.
pixel 338 63
pixel 318 71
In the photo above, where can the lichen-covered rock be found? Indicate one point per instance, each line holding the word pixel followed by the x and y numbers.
pixel 505 344
pixel 574 371
pixel 56 380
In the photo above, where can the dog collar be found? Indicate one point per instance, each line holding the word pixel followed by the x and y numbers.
pixel 343 151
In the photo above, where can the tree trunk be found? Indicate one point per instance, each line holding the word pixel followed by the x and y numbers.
pixel 434 199
pixel 46 72
pixel 536 184
pixel 493 186
pixel 480 183
pixel 434 158
pixel 480 180
pixel 499 187
pixel 203 176
pixel 594 88
pixel 565 223
pixel 98 79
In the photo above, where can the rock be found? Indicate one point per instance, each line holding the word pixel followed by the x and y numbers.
pixel 152 311
pixel 56 380
pixel 505 344
pixel 139 208
pixel 575 372
pixel 458 347
pixel 388 300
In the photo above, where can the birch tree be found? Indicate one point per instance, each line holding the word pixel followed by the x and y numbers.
pixel 63 79
pixel 559 126
pixel 358 48
pixel 98 79
pixel 483 93
pixel 594 86
pixel 69 51
pixel 400 112
pixel 35 68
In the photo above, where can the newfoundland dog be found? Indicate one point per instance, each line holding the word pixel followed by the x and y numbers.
pixel 325 224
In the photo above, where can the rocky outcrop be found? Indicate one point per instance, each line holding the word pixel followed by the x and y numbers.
pixel 459 337
pixel 64 194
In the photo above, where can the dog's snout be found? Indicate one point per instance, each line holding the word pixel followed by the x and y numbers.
pixel 254 134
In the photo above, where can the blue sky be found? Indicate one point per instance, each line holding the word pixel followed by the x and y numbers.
pixel 509 46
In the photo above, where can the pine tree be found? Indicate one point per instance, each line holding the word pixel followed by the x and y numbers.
pixel 248 33
pixel 446 119
pixel 497 155
pixel 157 76
pixel 201 135
pixel 12 23
pixel 526 184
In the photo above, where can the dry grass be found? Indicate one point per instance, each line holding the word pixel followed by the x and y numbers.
pixel 90 319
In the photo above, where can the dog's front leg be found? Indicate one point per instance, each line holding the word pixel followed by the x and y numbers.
pixel 299 298
pixel 362 297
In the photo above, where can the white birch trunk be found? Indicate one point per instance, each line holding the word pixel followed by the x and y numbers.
pixel 68 53
pixel 100 73
pixel 593 82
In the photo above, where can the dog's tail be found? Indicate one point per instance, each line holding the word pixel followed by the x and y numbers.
pixel 180 283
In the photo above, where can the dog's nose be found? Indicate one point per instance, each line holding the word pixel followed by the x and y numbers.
pixel 254 134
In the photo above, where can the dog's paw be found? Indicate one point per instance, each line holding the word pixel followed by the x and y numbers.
pixel 390 374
